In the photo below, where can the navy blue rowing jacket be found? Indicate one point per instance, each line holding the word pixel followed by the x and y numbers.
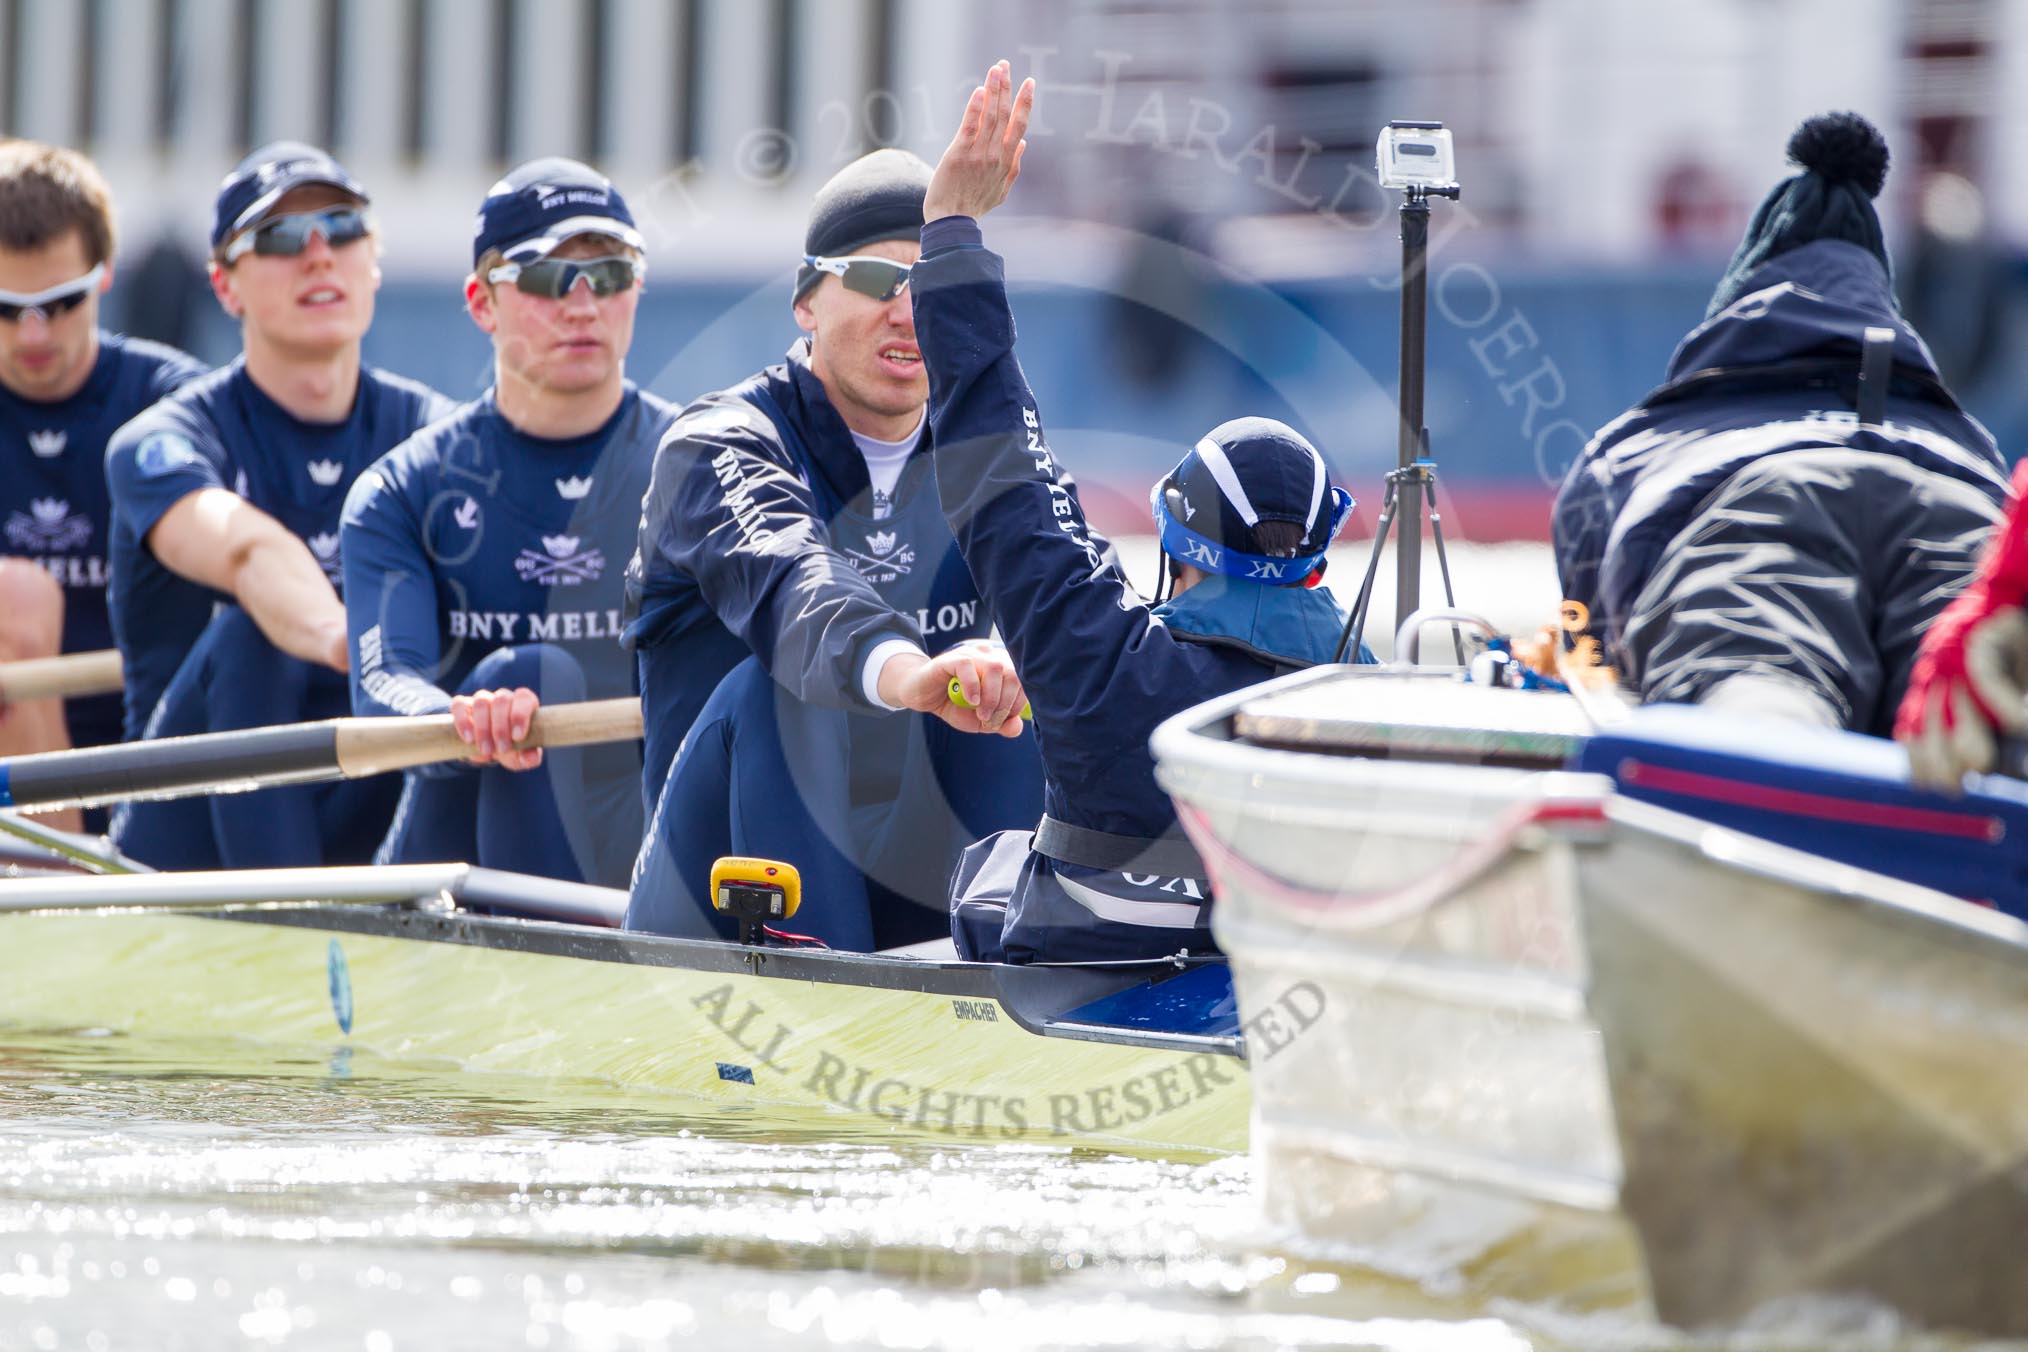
pixel 224 432
pixel 54 505
pixel 758 534
pixel 473 535
pixel 1774 372
pixel 1100 666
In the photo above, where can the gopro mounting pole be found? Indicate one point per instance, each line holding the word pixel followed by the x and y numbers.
pixel 1414 157
pixel 1413 444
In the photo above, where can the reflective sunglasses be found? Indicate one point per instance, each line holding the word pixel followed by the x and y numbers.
pixel 552 278
pixel 287 236
pixel 52 301
pixel 878 278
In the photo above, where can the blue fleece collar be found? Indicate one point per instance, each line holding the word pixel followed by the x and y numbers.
pixel 1296 625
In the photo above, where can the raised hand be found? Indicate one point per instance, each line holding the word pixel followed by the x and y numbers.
pixel 984 158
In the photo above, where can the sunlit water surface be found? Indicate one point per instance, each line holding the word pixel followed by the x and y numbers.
pixel 206 1196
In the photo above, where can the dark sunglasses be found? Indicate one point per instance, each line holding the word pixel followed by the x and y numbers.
pixel 52 301
pixel 286 236
pixel 877 278
pixel 552 278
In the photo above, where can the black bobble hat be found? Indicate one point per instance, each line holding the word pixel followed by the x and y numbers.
pixel 1844 162
pixel 876 197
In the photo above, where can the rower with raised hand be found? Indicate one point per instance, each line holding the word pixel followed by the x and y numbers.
pixel 792 539
pixel 1244 519
pixel 483 558
pixel 1772 530
pixel 65 386
pixel 226 498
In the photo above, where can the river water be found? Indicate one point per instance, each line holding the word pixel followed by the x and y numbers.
pixel 210 1196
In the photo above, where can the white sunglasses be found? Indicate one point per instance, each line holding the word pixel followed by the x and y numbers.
pixel 50 301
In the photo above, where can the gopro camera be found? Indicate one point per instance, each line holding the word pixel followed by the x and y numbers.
pixel 1415 155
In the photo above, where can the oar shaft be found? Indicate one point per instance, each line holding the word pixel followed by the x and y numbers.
pixel 295 753
pixel 501 893
pixel 172 767
pixel 71 676
pixel 223 891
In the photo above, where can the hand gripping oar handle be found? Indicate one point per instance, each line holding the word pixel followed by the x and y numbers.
pixel 958 698
pixel 70 676
pixel 371 746
pixel 294 753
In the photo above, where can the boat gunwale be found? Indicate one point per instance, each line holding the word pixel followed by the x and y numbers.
pixel 1031 995
pixel 1190 743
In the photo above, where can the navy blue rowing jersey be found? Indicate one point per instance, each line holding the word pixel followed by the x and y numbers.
pixel 224 432
pixel 474 536
pixel 54 507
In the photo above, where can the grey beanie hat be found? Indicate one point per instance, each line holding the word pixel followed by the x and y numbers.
pixel 876 197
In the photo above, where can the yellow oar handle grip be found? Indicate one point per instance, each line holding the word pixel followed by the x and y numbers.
pixel 958 698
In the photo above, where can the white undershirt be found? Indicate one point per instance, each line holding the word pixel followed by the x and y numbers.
pixel 884 463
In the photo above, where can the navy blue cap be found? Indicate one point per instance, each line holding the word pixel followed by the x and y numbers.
pixel 545 202
pixel 1240 474
pixel 257 182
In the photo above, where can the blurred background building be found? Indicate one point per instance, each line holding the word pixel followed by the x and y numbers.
pixel 1197 233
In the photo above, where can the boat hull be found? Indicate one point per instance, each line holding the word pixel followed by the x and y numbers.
pixel 1664 1061
pixel 931 1050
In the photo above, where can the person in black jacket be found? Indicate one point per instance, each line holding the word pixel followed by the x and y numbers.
pixel 1244 520
pixel 1774 528
pixel 798 611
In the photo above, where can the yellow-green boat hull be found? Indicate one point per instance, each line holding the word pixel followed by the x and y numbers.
pixel 931 1050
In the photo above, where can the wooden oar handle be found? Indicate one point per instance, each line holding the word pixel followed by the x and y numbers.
pixel 371 746
pixel 70 676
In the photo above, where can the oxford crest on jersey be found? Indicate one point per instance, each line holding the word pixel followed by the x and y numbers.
pixel 48 524
pixel 325 473
pixel 49 442
pixel 885 557
pixel 561 562
pixel 324 545
pixel 571 489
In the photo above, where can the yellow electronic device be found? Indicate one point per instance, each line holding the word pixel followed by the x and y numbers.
pixel 755 892
pixel 958 698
